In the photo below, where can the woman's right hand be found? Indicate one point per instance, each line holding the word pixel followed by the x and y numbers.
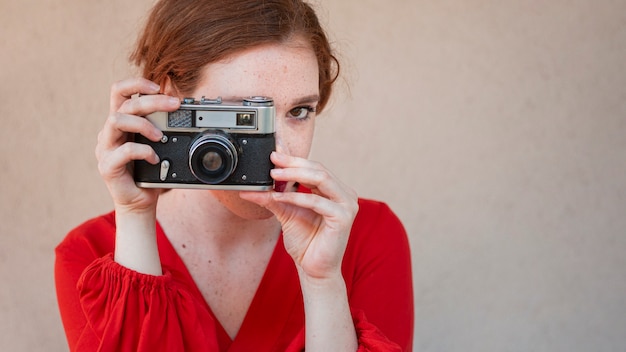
pixel 115 150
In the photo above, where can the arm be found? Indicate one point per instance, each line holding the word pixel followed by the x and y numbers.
pixel 377 272
pixel 107 307
pixel 135 241
pixel 376 311
pixel 104 302
pixel 135 207
pixel 316 228
pixel 328 320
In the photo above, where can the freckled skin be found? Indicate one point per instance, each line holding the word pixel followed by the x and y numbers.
pixel 215 225
pixel 298 77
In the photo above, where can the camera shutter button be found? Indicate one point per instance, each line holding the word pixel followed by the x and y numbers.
pixel 165 168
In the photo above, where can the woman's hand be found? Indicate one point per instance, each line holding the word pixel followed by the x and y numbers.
pixel 135 208
pixel 315 226
pixel 115 150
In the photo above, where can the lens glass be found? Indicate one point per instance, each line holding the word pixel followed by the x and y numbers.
pixel 212 161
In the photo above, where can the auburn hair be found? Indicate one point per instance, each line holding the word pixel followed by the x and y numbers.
pixel 182 36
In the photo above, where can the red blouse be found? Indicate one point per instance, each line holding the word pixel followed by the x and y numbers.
pixel 107 307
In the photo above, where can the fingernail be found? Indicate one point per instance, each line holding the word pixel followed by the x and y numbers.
pixel 277 155
pixel 276 172
pixel 155 87
pixel 174 101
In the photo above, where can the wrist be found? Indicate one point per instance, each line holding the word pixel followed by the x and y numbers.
pixel 322 291
pixel 329 325
pixel 138 212
pixel 135 240
pixel 332 281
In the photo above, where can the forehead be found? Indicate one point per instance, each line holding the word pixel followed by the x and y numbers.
pixel 282 71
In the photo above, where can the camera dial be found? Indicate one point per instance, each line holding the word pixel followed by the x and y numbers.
pixel 258 101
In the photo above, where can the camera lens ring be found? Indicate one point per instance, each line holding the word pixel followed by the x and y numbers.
pixel 212 157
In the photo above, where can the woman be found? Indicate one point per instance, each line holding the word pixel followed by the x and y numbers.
pixel 308 265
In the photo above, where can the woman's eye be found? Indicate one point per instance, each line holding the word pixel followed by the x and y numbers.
pixel 301 112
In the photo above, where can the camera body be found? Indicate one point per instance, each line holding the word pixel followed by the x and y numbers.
pixel 211 144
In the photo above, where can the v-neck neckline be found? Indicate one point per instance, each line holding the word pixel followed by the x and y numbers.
pixel 275 298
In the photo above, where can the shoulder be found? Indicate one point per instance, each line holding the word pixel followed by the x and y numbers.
pixel 376 218
pixel 378 250
pixel 377 230
pixel 95 236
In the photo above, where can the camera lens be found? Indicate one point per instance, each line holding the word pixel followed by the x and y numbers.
pixel 212 157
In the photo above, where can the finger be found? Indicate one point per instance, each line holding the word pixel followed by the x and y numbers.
pixel 281 160
pixel 320 181
pixel 119 125
pixel 310 174
pixel 123 90
pixel 276 202
pixel 113 163
pixel 333 212
pixel 147 104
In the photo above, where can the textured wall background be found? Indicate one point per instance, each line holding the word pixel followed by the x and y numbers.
pixel 495 129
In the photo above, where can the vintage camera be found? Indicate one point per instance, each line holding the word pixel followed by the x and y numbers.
pixel 210 144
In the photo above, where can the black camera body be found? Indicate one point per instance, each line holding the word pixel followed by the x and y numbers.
pixel 210 144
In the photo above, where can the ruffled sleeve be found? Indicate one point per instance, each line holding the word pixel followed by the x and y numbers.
pixel 370 338
pixel 129 311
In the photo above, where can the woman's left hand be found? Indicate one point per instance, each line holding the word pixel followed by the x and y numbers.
pixel 316 226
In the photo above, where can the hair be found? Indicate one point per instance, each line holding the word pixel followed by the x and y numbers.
pixel 182 36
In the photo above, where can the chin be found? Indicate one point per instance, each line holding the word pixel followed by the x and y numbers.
pixel 255 212
pixel 241 208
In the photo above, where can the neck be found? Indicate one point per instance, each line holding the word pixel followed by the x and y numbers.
pixel 202 218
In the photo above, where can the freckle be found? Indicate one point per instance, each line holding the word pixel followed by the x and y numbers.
pixel 184 245
pixel 210 262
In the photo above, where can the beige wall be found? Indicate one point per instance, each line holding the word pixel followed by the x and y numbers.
pixel 495 129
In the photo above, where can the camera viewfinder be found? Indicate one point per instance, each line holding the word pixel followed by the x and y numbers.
pixel 245 119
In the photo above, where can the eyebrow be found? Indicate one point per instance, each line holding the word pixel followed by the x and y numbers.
pixel 309 99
